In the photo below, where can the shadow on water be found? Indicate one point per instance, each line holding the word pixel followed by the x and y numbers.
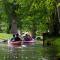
pixel 51 52
pixel 51 49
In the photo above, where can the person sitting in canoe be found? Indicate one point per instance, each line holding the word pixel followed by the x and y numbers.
pixel 27 39
pixel 17 38
pixel 13 39
pixel 16 41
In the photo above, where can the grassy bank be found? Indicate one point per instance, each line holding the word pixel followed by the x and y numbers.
pixel 5 36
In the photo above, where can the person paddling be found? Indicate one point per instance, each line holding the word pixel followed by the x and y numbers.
pixel 17 38
pixel 27 38
pixel 13 39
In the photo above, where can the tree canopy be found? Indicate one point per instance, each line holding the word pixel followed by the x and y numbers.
pixel 31 15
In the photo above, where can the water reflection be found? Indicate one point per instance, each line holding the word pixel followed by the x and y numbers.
pixel 36 52
pixel 51 52
pixel 23 53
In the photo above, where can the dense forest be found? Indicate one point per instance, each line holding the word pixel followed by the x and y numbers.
pixel 36 16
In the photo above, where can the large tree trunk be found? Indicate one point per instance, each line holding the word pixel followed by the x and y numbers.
pixel 34 28
pixel 33 33
pixel 54 25
pixel 10 11
pixel 58 10
pixel 13 27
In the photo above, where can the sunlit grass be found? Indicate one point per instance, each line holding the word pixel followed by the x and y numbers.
pixel 5 36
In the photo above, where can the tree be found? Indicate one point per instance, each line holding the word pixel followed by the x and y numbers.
pixel 53 17
pixel 10 11
pixel 58 11
pixel 34 15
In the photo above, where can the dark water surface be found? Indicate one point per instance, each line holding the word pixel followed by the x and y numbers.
pixel 36 52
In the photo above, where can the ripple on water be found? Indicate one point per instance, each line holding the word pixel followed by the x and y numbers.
pixel 27 53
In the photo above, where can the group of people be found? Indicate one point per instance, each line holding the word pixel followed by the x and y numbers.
pixel 17 41
pixel 27 37
pixel 17 38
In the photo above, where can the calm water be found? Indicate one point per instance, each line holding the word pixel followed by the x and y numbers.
pixel 36 52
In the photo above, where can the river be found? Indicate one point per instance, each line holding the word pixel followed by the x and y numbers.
pixel 36 52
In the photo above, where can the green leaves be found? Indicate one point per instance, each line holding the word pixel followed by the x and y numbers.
pixel 29 12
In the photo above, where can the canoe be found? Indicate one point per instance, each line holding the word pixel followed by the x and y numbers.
pixel 32 42
pixel 20 43
pixel 15 43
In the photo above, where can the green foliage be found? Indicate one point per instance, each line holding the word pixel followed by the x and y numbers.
pixel 30 13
